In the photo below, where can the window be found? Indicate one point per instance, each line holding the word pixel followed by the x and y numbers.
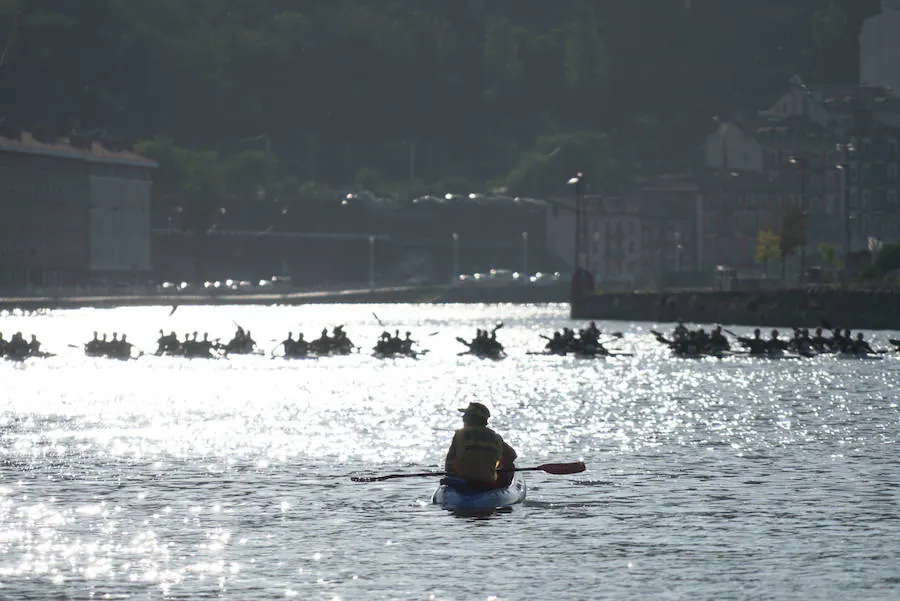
pixel 893 147
pixel 866 199
pixel 892 172
pixel 866 173
pixel 892 198
pixel 853 199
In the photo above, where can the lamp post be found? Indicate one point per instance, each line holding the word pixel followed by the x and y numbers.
pixel 371 262
pixel 802 166
pixel 267 142
pixel 455 257
pixel 677 252
pixel 578 184
pixel 845 150
pixel 525 255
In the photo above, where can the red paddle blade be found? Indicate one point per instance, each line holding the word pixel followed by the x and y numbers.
pixel 561 469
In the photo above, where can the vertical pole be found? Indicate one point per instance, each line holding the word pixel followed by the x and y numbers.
pixel 803 168
pixel 578 182
pixel 525 256
pixel 842 169
pixel 455 257
pixel 699 230
pixel 371 262
pixel 677 252
pixel 268 174
pixel 576 259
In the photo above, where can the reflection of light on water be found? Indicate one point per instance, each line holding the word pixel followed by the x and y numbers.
pixel 172 472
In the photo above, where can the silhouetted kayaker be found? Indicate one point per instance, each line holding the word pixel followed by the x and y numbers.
pixel 477 452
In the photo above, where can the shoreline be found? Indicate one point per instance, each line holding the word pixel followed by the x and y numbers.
pixel 395 294
pixel 829 308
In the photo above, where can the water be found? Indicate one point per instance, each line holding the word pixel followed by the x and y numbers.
pixel 173 479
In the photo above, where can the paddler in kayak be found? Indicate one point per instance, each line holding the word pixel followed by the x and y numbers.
pixel 477 452
pixel 717 341
pixel 860 346
pixel 755 345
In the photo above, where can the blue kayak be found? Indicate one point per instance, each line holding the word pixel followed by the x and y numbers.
pixel 458 495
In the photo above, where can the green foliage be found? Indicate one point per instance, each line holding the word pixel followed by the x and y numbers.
pixel 791 230
pixel 554 158
pixel 250 173
pixel 829 25
pixel 829 255
pixel 185 172
pixel 485 87
pixel 885 262
pixel 768 247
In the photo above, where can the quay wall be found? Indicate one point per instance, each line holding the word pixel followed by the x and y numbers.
pixel 395 294
pixel 862 309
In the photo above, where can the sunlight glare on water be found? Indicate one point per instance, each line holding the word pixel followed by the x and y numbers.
pixel 229 479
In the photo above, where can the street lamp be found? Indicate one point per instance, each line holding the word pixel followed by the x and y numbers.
pixel 845 150
pixel 678 248
pixel 371 262
pixel 525 255
pixel 267 145
pixel 802 166
pixel 455 257
pixel 578 182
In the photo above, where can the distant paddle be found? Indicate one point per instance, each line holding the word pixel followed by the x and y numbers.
pixel 174 308
pixel 557 469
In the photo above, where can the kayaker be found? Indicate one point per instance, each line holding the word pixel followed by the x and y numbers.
pixel 477 452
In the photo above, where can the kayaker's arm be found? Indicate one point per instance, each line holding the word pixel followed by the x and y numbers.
pixel 509 454
pixel 450 459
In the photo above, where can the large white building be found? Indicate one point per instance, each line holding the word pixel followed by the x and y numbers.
pixel 73 212
pixel 879 48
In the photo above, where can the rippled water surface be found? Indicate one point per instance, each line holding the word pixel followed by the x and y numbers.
pixel 173 479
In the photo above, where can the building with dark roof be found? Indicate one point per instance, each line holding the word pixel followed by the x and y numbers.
pixel 74 210
pixel 839 143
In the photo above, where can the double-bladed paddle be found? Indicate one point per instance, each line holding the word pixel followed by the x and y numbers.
pixel 557 469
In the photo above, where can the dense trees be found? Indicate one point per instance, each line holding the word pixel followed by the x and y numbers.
pixel 401 94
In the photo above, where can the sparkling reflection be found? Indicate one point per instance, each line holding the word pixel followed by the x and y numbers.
pixel 228 479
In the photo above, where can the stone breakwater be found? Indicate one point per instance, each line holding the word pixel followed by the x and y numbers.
pixel 856 309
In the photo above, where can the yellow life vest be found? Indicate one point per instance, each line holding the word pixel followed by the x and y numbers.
pixel 478 451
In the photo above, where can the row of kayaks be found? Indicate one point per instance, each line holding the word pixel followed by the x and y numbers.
pixel 725 354
pixel 780 355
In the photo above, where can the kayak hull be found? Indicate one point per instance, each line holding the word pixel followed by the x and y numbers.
pixel 457 499
pixel 860 356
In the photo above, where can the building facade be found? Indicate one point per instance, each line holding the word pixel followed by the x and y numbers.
pixel 835 147
pixel 879 47
pixel 74 211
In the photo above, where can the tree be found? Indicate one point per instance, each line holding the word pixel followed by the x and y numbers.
pixel 829 255
pixel 768 248
pixel 791 233
pixel 554 157
pixel 479 85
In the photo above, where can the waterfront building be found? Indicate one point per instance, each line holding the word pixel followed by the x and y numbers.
pixel 74 212
pixel 839 143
